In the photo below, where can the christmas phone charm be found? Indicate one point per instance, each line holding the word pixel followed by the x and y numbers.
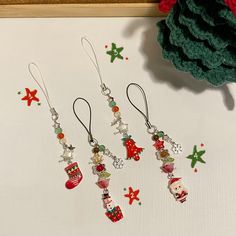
pixel 113 212
pixel 160 142
pixel 72 169
pixel 133 152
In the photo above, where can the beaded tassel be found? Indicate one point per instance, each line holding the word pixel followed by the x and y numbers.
pixel 122 128
pixel 113 212
pixel 175 185
pixel 72 170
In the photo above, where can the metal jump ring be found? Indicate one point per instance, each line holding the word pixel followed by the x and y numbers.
pixel 106 91
pixel 152 130
pixel 93 142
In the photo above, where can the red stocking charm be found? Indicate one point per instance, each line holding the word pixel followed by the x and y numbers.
pixel 132 150
pixel 75 175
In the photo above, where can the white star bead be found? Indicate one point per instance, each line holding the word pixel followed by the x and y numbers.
pixel 122 128
pixel 115 121
pixel 67 155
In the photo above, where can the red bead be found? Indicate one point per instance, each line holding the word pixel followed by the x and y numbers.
pixel 115 108
pixel 60 136
pixel 100 167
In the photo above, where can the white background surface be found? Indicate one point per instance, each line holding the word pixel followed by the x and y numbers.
pixel 33 200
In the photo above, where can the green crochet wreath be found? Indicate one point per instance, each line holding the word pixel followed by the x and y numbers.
pixel 201 41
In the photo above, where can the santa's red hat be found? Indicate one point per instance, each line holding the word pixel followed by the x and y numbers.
pixel 173 180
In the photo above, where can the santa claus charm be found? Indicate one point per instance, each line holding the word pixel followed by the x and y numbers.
pixel 175 185
pixel 177 189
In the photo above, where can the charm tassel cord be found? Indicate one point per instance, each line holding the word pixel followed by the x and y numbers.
pixel 72 169
pixel 160 139
pixel 133 152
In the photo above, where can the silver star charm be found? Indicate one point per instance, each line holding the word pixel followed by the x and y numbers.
pixel 122 128
pixel 115 121
pixel 67 155
pixel 71 147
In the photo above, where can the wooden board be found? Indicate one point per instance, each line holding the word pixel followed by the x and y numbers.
pixel 78 8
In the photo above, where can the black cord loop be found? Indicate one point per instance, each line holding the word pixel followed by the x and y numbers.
pixel 146 116
pixel 88 129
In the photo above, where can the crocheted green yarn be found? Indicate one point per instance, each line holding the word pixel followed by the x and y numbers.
pixel 180 36
pixel 216 76
pixel 201 41
pixel 217 37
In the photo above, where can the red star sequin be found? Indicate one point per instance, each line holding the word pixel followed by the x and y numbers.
pixel 132 195
pixel 30 96
pixel 159 144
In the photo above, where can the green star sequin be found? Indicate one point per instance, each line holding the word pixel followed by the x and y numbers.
pixel 196 156
pixel 115 52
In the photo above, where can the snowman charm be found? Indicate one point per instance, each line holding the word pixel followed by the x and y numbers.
pixel 177 189
pixel 114 213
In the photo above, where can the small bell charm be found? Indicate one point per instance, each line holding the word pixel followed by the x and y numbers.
pixel 132 150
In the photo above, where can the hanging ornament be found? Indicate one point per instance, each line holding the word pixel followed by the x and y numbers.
pixel 74 174
pixel 72 169
pixel 177 189
pixel 161 141
pixel 121 126
pixel 113 212
pixel 132 150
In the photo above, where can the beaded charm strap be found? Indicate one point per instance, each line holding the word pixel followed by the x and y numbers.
pixel 72 169
pixel 113 212
pixel 133 152
pixel 160 140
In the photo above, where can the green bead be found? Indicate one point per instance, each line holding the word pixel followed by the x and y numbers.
pixel 168 160
pixel 101 148
pixel 112 103
pixel 58 130
pixel 160 134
